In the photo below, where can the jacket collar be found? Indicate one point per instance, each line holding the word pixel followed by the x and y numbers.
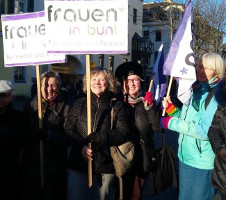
pixel 220 93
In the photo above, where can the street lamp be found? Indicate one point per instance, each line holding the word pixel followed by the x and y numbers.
pixel 145 48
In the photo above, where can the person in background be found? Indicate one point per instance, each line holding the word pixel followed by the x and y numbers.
pixel 144 119
pixel 192 122
pixel 34 87
pixel 103 88
pixel 13 139
pixel 54 112
pixel 217 136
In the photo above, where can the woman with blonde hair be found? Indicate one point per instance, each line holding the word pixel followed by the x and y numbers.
pixel 192 122
pixel 103 88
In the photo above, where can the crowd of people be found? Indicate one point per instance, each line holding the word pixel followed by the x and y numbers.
pixel 46 148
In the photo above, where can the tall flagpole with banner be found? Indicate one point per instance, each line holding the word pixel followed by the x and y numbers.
pixel 180 61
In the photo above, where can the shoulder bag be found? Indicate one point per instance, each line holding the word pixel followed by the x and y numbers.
pixel 165 176
pixel 123 157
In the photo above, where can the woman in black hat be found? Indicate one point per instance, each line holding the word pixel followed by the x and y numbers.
pixel 144 119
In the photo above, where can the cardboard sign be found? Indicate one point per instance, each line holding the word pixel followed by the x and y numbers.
pixel 25 42
pixel 88 26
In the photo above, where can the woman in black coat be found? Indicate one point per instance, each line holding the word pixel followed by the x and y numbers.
pixel 102 137
pixel 144 118
pixel 54 111
pixel 217 136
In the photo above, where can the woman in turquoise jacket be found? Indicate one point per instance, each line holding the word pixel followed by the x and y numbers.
pixel 192 123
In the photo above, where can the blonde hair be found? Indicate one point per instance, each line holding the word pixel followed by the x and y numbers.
pixel 111 80
pixel 215 62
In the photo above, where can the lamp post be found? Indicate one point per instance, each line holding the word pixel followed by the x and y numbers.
pixel 145 48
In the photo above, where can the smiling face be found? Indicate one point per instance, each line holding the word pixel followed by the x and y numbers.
pixel 132 85
pixel 98 83
pixel 49 88
pixel 204 73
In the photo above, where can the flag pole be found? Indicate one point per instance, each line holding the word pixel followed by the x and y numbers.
pixel 149 90
pixel 40 125
pixel 88 115
pixel 150 85
pixel 168 92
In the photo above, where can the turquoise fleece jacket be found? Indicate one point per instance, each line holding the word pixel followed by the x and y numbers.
pixel 192 123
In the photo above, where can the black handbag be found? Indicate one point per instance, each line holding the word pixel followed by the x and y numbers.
pixel 165 176
pixel 150 163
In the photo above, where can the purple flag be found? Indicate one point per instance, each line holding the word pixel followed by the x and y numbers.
pixel 159 79
pixel 180 62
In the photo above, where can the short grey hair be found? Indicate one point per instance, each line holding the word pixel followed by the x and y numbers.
pixel 215 62
pixel 49 75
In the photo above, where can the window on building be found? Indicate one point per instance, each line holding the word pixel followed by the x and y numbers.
pixel 101 60
pixel 19 6
pixel 134 16
pixel 111 64
pixel 146 33
pixel 19 75
pixel 158 35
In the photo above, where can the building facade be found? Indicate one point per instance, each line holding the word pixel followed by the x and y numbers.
pixel 160 23
pixel 74 68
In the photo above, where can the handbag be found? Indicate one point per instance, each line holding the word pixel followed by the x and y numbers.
pixel 123 157
pixel 165 176
pixel 150 163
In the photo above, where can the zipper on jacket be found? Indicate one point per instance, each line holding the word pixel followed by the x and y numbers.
pixel 199 146
pixel 181 148
pixel 95 117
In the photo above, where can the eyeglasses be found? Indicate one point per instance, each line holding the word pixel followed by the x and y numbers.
pixel 136 80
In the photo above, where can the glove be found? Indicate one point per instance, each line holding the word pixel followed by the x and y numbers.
pixel 42 134
pixel 148 97
pixel 93 137
pixel 171 109
pixel 164 121
pixel 222 154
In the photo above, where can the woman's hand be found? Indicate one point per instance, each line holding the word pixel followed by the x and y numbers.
pixel 166 101
pixel 87 153
pixel 148 98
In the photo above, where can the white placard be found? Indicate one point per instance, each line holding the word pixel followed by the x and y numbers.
pixel 25 42
pixel 87 26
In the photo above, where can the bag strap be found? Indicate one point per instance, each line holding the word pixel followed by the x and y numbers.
pixel 209 97
pixel 120 178
pixel 112 112
pixel 112 117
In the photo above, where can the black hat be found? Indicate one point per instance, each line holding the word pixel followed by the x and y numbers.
pixel 128 68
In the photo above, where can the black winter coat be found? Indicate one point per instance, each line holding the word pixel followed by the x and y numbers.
pixel 142 124
pixel 76 127
pixel 217 136
pixel 55 152
pixel 13 139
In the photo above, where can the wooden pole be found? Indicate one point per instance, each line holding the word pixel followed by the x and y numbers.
pixel 149 89
pixel 40 126
pixel 88 115
pixel 168 92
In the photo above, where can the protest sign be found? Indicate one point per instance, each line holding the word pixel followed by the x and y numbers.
pixel 87 27
pixel 25 42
